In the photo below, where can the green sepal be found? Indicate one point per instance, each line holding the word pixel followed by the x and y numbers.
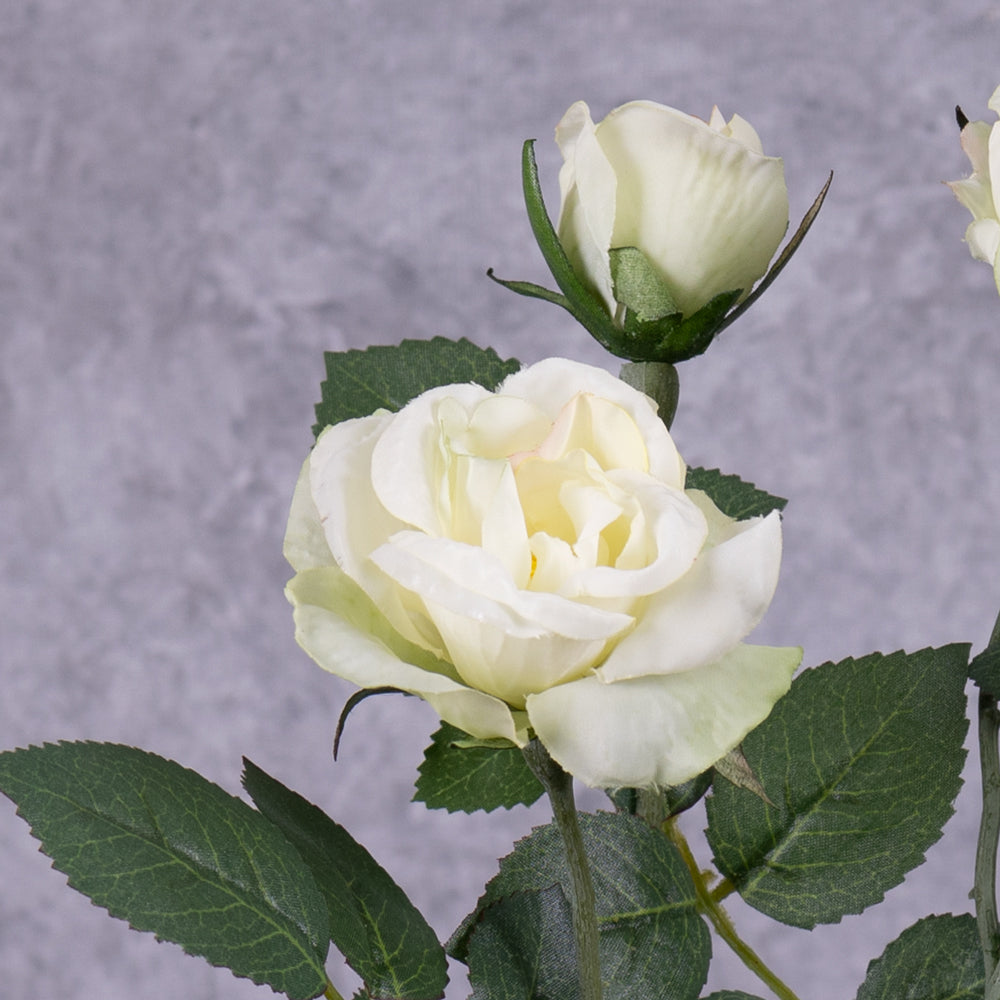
pixel 937 957
pixel 469 778
pixel 676 799
pixel 359 382
pixel 646 905
pixel 638 286
pixel 861 760
pixel 159 846
pixel 372 922
pixel 351 704
pixel 735 497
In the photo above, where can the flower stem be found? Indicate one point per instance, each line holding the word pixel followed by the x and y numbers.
pixel 720 920
pixel 559 786
pixel 984 892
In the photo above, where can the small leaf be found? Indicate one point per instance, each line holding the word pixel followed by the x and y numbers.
pixel 938 958
pixel 734 497
pixel 646 905
pixel 863 759
pixel 638 285
pixel 524 949
pixel 467 779
pixel 376 928
pixel 360 382
pixel 159 846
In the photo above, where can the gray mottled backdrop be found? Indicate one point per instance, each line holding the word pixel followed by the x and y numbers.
pixel 199 196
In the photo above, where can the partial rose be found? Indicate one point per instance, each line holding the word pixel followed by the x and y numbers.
pixel 699 199
pixel 980 192
pixel 529 562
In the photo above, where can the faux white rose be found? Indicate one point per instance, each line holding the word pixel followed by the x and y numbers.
pixel 529 561
pixel 980 192
pixel 699 199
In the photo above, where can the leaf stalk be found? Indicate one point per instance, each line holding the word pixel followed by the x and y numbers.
pixel 721 921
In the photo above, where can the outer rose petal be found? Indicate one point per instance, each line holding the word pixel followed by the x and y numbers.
pixel 706 210
pixel 708 610
pixel 340 628
pixel 660 731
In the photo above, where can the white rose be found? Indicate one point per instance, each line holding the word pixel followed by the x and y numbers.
pixel 700 199
pixel 979 192
pixel 529 561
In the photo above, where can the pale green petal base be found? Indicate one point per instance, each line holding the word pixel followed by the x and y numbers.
pixel 660 731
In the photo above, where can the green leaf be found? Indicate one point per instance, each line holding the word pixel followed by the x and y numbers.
pixel 360 382
pixel 734 497
pixel 862 759
pixel 524 949
pixel 938 958
pixel 646 905
pixel 467 779
pixel 638 285
pixel 377 929
pixel 159 846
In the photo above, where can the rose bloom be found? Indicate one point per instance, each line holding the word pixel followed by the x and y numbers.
pixel 529 562
pixel 979 192
pixel 700 199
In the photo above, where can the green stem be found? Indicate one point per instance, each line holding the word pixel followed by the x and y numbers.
pixel 720 919
pixel 559 786
pixel 984 892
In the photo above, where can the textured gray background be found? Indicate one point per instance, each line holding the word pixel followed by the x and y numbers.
pixel 198 196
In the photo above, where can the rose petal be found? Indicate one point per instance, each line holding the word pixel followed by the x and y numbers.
pixel 707 211
pixel 709 610
pixel 660 730
pixel 587 185
pixel 305 545
pixel 343 631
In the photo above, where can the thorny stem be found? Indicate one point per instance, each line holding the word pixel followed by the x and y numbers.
pixel 559 786
pixel 720 919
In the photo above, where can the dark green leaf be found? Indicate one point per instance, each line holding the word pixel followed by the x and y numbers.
pixel 985 668
pixel 159 846
pixel 524 949
pixel 938 958
pixel 862 759
pixel 360 382
pixel 734 497
pixel 378 930
pixel 467 779
pixel 646 904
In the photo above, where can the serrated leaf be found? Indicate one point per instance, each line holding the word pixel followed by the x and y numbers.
pixel 646 904
pixel 862 759
pixel 734 497
pixel 938 958
pixel 467 779
pixel 524 949
pixel 360 382
pixel 163 848
pixel 372 922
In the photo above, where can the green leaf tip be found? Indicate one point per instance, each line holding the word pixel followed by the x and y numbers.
pixel 359 382
pixel 473 778
pixel 735 497
pixel 159 846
